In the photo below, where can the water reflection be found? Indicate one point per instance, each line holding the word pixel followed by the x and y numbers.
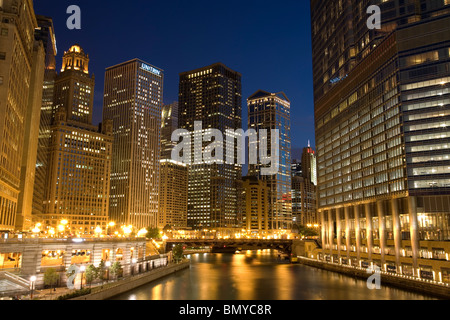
pixel 259 275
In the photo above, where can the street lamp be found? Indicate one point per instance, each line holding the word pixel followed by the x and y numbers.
pixel 32 286
pixel 82 269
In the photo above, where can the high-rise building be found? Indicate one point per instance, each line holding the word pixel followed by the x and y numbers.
pixel 169 123
pixel 45 33
pixel 256 213
pixel 173 192
pixel 383 140
pixel 30 143
pixel 18 23
pixel 296 168
pixel 79 163
pixel 304 203
pixel 213 96
pixel 267 111
pixel 74 86
pixel 133 98
pixel 309 165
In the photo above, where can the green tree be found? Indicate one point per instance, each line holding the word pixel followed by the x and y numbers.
pixel 178 253
pixel 101 271
pixel 91 274
pixel 153 233
pixel 115 269
pixel 51 278
pixel 305 231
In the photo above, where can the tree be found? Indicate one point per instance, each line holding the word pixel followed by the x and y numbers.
pixel 101 271
pixel 306 232
pixel 153 233
pixel 51 278
pixel 115 269
pixel 178 253
pixel 91 274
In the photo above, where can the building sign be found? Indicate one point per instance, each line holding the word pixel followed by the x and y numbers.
pixel 150 69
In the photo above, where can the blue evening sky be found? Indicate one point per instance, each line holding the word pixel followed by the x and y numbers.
pixel 268 42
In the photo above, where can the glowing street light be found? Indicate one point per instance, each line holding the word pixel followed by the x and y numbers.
pixel 98 230
pixel 32 286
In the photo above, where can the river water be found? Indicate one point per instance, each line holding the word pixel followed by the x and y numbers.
pixel 259 276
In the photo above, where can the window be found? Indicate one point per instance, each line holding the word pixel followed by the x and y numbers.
pixel 4 32
pixel 2 55
pixel 1 80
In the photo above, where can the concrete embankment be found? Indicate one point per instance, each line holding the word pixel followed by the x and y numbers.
pixel 128 284
pixel 418 286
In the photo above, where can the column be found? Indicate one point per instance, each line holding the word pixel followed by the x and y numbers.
pixel 338 232
pixel 322 217
pixel 330 231
pixel 382 225
pixel 369 224
pixel 415 239
pixel 347 231
pixel 397 233
pixel 357 232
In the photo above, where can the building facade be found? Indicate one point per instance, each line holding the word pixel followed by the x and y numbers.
pixel 267 111
pixel 256 214
pixel 45 33
pixel 382 143
pixel 79 164
pixel 173 192
pixel 169 123
pixel 16 64
pixel 133 98
pixel 213 96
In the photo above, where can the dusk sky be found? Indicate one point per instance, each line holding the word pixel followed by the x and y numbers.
pixel 268 42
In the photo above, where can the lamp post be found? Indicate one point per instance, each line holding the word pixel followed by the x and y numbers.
pixel 108 265
pixel 32 286
pixel 82 269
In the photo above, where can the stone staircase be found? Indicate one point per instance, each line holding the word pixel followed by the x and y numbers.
pixel 11 284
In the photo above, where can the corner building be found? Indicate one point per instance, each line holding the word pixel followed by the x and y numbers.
pixel 133 98
pixel 383 144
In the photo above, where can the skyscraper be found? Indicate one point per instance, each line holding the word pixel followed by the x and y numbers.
pixel 272 111
pixel 16 64
pixel 74 86
pixel 169 123
pixel 309 165
pixel 133 98
pixel 382 140
pixel 213 96
pixel 30 140
pixel 79 164
pixel 45 33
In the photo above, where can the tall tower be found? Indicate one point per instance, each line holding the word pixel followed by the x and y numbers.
pixel 16 64
pixel 309 165
pixel 213 96
pixel 45 33
pixel 133 101
pixel 272 111
pixel 79 164
pixel 169 123
pixel 382 139
pixel 74 87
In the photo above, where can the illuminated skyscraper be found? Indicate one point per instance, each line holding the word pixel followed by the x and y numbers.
pixel 382 135
pixel 133 101
pixel 213 96
pixel 74 87
pixel 45 33
pixel 256 203
pixel 273 111
pixel 18 23
pixel 169 123
pixel 309 165
pixel 79 164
